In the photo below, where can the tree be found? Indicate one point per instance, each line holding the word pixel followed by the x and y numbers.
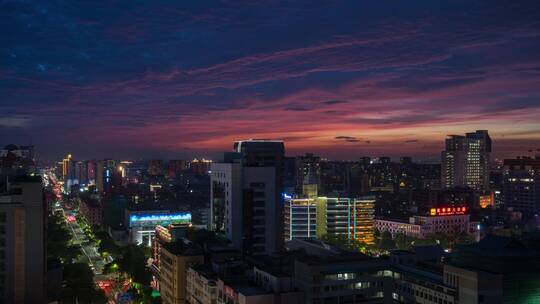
pixel 343 241
pixel 404 242
pixel 79 285
pixel 58 240
pixel 386 242
pixel 106 244
pixel 133 262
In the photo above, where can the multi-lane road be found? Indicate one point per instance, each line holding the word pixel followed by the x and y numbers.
pixel 89 249
pixel 90 254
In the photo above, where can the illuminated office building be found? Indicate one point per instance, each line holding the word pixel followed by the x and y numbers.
pixel 65 166
pixel 316 217
pixel 300 219
pixel 465 160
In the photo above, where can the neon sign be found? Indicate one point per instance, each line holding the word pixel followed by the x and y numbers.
pixel 448 211
pixel 183 217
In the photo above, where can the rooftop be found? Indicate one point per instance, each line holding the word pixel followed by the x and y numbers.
pixel 183 248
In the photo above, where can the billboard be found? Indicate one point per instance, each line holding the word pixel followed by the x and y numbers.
pixel 448 211
pixel 160 219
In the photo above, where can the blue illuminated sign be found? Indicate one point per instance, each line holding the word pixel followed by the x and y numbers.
pixel 183 217
pixel 286 196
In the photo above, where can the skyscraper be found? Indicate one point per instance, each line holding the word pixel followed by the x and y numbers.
pixel 246 196
pixel 465 160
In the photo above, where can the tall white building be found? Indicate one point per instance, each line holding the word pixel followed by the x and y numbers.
pixel 246 196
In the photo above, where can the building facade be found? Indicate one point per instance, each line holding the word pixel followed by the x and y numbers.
pixel 246 196
pixel 201 286
pixel 440 221
pixel 300 219
pixel 175 259
pixel 92 211
pixel 22 240
pixel 317 217
pixel 465 161
pixel 521 184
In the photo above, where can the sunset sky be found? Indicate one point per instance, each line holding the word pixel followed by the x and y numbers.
pixel 343 79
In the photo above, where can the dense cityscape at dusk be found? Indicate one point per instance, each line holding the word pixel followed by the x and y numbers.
pixel 262 152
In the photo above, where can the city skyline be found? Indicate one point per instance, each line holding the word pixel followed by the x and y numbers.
pixel 270 152
pixel 189 79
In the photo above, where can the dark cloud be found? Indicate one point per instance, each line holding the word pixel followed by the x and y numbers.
pixel 333 102
pixel 351 139
pixel 345 137
pixel 297 109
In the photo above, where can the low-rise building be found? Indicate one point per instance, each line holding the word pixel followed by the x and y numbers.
pixel 315 217
pixel 446 221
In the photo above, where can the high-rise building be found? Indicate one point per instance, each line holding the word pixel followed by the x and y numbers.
pixel 226 201
pixel 22 248
pixel 465 161
pixel 65 166
pixel 521 184
pixel 308 172
pixel 246 196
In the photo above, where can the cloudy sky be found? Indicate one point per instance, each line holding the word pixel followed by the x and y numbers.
pixel 176 79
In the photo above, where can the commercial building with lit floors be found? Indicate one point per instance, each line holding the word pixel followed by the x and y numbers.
pixel 22 247
pixel 316 217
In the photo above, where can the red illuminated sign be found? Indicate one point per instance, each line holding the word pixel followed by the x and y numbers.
pixel 448 211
